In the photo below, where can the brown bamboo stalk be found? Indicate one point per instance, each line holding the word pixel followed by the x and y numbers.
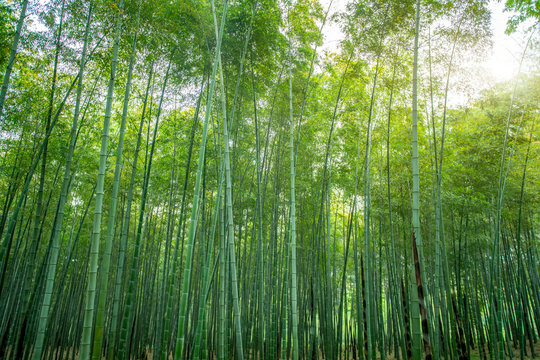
pixel 421 301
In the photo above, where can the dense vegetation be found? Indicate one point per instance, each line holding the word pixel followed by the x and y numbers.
pixel 198 179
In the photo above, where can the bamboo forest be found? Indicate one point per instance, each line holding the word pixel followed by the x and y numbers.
pixel 269 179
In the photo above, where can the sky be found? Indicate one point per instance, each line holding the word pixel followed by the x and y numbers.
pixel 503 63
pixel 500 64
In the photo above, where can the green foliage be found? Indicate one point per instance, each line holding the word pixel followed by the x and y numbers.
pixel 7 27
pixel 525 9
pixel 252 217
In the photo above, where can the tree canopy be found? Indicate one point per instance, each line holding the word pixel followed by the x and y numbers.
pixel 208 179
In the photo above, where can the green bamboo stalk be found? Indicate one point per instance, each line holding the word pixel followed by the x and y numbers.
pixel 393 260
pixel 7 240
pixel 206 274
pixel 520 301
pixel 106 261
pixel 367 237
pixel 11 61
pixel 96 229
pixel 496 282
pixel 159 343
pixel 292 215
pixel 416 188
pixel 285 297
pixel 125 227
pixel 53 254
pixel 222 277
pixel 38 214
pixel 127 318
pixel 65 184
pixel 260 260
pixel 178 243
pixel 230 223
pixel 186 279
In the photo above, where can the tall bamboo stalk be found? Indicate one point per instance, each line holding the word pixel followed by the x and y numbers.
pixel 292 216
pixel 180 338
pixel 105 264
pixel 12 54
pixel 96 228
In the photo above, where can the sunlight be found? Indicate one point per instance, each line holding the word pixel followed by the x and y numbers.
pixel 229 179
pixel 501 68
pixel 503 61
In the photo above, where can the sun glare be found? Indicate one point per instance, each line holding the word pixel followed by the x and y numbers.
pixel 501 66
pixel 503 62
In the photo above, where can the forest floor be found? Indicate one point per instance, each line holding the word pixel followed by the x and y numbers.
pixel 475 354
